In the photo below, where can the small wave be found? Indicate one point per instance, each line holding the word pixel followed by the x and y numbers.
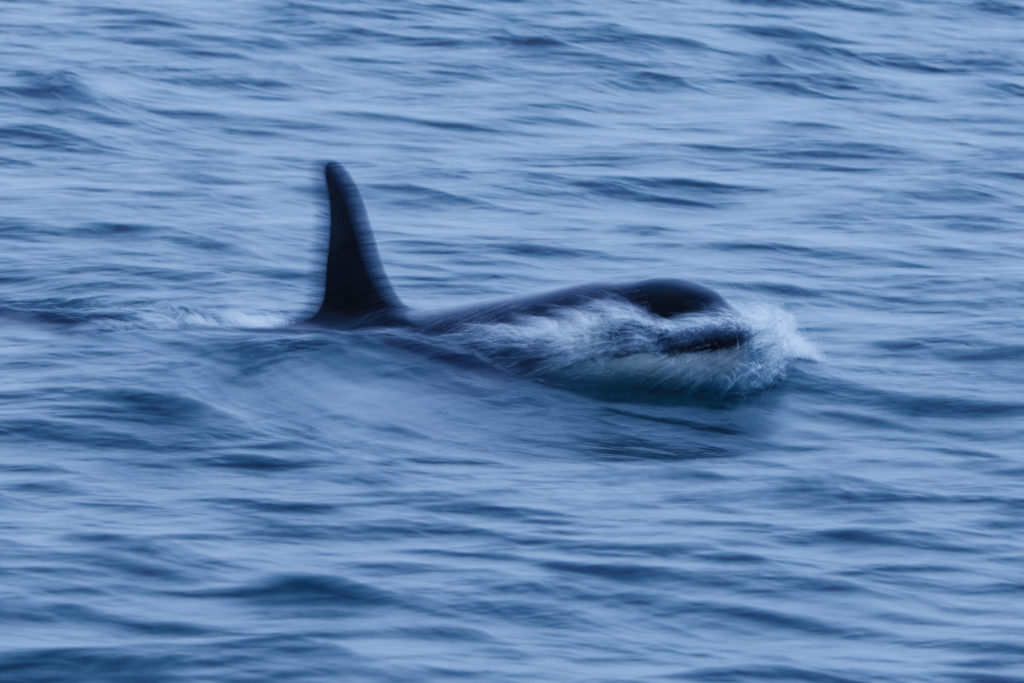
pixel 459 126
pixel 419 196
pixel 1008 9
pixel 48 85
pixel 873 7
pixel 790 34
pixel 41 136
pixel 617 351
pixel 297 590
pixel 672 191
pixel 649 80
pixel 531 41
pixel 1008 88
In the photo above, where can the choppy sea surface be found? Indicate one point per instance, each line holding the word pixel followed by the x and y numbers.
pixel 194 489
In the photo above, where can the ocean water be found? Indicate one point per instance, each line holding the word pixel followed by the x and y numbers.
pixel 194 489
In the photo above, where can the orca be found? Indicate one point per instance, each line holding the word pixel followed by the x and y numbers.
pixel 358 294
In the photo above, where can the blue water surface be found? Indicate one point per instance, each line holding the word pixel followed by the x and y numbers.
pixel 194 489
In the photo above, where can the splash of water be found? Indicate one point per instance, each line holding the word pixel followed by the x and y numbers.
pixel 181 318
pixel 616 350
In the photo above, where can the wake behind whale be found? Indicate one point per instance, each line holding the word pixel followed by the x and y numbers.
pixel 655 336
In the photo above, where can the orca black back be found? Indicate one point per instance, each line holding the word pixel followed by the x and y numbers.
pixel 357 293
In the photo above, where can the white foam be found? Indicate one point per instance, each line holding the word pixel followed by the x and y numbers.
pixel 177 318
pixel 613 347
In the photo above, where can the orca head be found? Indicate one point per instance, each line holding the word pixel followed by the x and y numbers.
pixel 667 298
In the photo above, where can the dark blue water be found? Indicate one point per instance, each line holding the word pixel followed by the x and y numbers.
pixel 193 490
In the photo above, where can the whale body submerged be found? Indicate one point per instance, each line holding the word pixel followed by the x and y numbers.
pixel 357 293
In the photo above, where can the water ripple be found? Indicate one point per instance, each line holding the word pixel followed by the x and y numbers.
pixel 195 488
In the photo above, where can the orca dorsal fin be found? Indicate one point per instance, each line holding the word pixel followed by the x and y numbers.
pixel 355 287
